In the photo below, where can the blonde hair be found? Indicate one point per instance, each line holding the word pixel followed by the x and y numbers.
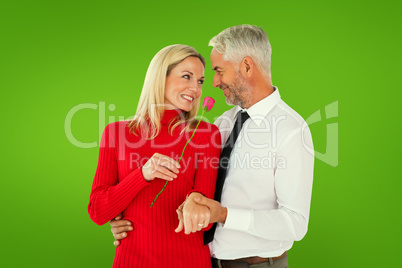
pixel 150 107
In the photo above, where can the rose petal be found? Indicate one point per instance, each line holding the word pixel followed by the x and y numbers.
pixel 208 102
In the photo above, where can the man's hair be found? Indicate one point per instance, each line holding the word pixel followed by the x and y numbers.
pixel 245 40
pixel 151 104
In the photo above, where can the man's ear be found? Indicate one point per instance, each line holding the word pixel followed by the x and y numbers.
pixel 248 66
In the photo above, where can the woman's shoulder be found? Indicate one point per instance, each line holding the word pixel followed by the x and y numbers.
pixel 205 136
pixel 207 127
pixel 114 128
pixel 207 133
pixel 118 125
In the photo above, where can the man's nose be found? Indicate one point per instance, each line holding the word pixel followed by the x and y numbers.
pixel 216 82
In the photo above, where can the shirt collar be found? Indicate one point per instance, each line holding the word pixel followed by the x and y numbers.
pixel 262 108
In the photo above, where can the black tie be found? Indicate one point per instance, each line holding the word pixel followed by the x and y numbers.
pixel 223 164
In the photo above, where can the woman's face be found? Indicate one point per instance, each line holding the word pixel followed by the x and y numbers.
pixel 184 84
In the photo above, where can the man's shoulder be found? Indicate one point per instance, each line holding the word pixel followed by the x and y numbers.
pixel 226 116
pixel 293 118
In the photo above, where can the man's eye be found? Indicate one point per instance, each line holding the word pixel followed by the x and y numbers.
pixel 201 82
pixel 186 76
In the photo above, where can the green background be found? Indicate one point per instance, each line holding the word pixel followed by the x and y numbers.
pixel 55 55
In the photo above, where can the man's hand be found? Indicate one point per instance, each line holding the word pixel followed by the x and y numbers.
pixel 119 228
pixel 192 217
pixel 217 212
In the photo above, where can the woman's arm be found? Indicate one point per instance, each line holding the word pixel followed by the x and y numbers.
pixel 108 198
pixel 196 217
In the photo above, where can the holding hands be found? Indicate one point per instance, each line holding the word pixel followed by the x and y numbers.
pixel 194 214
pixel 192 217
pixel 197 212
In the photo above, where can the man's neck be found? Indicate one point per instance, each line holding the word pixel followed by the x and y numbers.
pixel 258 92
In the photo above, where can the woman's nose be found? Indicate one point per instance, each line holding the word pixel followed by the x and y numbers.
pixel 194 85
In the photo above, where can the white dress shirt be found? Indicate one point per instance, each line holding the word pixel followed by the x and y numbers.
pixel 268 186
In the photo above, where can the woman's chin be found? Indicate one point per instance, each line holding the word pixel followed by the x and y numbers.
pixel 186 108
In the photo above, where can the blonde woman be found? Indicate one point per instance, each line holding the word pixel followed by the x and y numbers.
pixel 137 157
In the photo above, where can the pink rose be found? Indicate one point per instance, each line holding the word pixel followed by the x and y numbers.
pixel 209 103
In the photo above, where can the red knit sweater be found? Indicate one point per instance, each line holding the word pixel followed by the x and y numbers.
pixel 120 187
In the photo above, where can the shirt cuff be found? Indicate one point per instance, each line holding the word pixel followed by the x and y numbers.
pixel 238 219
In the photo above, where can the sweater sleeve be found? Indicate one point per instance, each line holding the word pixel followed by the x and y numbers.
pixel 108 198
pixel 207 162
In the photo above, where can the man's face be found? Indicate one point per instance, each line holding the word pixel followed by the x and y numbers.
pixel 228 78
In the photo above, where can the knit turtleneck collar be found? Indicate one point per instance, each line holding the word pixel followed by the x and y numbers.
pixel 168 115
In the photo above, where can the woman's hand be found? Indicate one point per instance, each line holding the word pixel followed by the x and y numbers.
pixel 160 166
pixel 195 217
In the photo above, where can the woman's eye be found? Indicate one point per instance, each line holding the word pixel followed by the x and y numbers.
pixel 201 82
pixel 186 76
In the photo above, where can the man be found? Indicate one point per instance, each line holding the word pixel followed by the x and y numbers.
pixel 265 190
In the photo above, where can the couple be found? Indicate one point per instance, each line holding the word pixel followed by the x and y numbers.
pixel 264 180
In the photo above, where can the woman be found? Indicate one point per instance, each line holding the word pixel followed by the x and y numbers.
pixel 137 157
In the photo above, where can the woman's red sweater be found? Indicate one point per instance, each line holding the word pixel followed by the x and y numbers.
pixel 119 186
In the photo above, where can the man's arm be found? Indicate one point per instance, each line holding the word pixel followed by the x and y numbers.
pixel 120 228
pixel 293 186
